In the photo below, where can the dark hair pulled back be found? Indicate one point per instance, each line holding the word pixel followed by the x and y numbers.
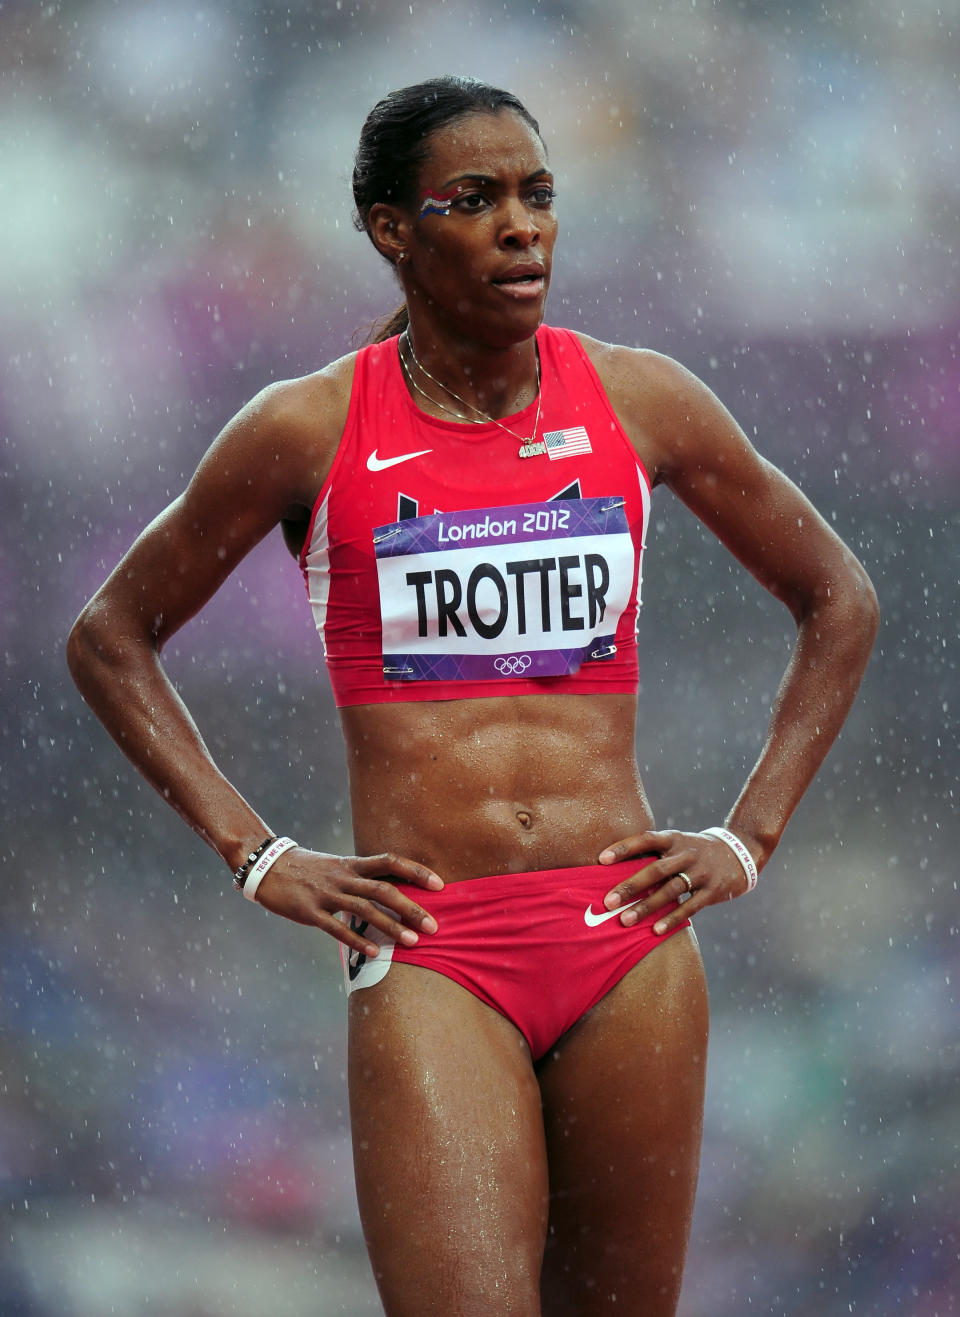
pixel 394 143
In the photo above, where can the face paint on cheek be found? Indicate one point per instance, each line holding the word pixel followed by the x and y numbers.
pixel 437 203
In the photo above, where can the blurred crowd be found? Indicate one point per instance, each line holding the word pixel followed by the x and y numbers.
pixel 768 192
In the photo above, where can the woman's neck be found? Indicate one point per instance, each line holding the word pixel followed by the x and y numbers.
pixel 475 381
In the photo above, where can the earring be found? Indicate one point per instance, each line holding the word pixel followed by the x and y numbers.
pixel 401 256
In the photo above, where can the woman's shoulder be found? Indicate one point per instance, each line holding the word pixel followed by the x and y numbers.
pixel 632 368
pixel 650 387
pixel 669 414
pixel 286 436
pixel 298 423
pixel 307 405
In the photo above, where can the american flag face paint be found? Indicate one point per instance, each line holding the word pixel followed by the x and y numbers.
pixel 437 203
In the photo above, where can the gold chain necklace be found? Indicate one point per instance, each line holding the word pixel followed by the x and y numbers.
pixel 528 447
pixel 469 420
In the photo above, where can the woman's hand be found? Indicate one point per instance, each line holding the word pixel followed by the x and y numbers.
pixel 714 873
pixel 311 887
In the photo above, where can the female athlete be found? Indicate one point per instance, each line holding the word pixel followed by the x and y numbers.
pixel 469 498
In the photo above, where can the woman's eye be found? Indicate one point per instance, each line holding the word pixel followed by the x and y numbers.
pixel 543 196
pixel 470 201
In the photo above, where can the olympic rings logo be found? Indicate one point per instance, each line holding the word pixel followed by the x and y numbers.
pixel 513 665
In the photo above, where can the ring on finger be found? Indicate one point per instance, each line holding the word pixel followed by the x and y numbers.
pixel 686 879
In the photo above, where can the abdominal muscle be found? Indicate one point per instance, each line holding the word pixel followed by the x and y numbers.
pixel 502 785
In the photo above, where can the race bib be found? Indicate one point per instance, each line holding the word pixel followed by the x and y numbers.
pixel 532 590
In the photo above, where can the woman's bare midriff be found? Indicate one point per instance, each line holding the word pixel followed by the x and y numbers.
pixel 504 785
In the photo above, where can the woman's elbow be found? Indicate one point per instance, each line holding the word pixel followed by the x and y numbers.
pixel 854 617
pixel 864 604
pixel 83 645
pixel 844 606
pixel 96 642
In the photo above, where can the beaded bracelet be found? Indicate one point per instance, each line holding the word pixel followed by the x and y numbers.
pixel 279 847
pixel 240 876
pixel 747 862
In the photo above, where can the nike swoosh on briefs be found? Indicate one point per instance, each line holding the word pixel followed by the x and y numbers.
pixel 375 463
pixel 591 920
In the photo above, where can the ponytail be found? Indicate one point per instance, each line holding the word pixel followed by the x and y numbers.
pixel 389 325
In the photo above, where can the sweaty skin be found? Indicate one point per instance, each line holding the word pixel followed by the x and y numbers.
pixel 500 785
pixel 489 1187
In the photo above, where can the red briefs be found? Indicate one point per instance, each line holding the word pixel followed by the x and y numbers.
pixel 538 947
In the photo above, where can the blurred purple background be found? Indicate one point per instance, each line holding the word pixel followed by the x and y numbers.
pixel 769 193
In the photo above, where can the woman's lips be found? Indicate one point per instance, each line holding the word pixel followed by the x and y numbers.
pixel 525 289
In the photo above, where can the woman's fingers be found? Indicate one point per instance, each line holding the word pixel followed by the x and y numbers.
pixel 683 912
pixel 314 888
pixel 653 874
pixel 689 868
pixel 350 932
pixel 390 869
pixel 639 844
pixel 667 894
pixel 396 866
pixel 380 903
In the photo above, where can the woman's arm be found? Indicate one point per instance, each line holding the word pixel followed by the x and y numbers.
pixel 691 443
pixel 266 466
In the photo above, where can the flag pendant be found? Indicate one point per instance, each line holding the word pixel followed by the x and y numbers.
pixel 532 449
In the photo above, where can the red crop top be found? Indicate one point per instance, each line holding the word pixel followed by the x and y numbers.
pixel 442 566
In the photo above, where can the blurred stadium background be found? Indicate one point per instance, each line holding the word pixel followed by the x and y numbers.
pixel 769 192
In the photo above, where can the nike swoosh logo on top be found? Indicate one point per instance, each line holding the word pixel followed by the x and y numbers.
pixel 375 463
pixel 591 920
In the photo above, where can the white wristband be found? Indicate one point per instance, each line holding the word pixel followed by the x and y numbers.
pixel 263 865
pixel 747 863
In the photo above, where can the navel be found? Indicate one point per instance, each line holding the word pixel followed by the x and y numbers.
pixel 525 819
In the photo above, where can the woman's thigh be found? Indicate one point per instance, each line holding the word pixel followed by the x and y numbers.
pixel 449 1150
pixel 623 1111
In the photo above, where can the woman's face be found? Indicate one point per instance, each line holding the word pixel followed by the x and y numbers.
pixel 480 237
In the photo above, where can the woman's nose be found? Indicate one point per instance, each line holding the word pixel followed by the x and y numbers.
pixel 519 227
